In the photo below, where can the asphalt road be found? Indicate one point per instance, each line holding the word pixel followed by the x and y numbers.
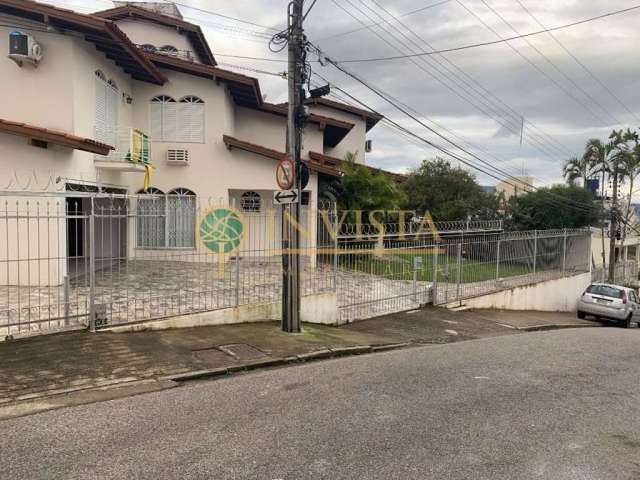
pixel 552 405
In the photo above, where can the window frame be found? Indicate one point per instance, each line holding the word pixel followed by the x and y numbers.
pixel 164 235
pixel 182 119
pixel 245 197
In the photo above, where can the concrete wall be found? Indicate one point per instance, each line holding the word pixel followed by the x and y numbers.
pixel 140 31
pixel 318 308
pixel 355 139
pixel 559 295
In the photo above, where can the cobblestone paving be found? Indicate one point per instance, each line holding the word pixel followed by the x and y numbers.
pixel 143 289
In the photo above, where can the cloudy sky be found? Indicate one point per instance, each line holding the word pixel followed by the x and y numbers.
pixel 579 85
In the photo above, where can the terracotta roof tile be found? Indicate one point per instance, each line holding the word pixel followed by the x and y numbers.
pixel 53 136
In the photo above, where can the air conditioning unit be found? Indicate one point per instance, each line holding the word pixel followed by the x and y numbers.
pixel 368 146
pixel 178 156
pixel 24 48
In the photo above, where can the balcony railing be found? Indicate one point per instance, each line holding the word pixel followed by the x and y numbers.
pixel 131 148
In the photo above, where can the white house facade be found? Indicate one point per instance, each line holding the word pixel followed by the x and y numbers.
pixel 130 101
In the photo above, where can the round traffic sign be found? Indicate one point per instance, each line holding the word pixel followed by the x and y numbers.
pixel 285 173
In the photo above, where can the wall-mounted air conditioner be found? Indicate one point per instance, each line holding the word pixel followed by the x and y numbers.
pixel 24 48
pixel 178 156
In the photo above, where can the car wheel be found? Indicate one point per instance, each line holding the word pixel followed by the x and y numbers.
pixel 626 323
pixel 581 314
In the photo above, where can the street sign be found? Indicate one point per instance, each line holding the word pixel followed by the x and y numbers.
pixel 285 196
pixel 285 173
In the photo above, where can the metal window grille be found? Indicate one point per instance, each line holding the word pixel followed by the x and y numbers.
pixel 250 202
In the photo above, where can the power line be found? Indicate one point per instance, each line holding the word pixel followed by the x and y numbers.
pixel 553 65
pixel 535 65
pixel 581 64
pixel 509 111
pixel 576 205
pixel 375 24
pixel 494 42
pixel 221 15
pixel 452 79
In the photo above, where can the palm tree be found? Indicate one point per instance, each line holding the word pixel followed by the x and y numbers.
pixel 598 155
pixel 576 168
pixel 630 158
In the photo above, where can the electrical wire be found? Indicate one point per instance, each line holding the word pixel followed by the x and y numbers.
pixel 451 80
pixel 483 44
pixel 483 93
pixel 563 201
pixel 375 24
pixel 580 63
pixel 553 65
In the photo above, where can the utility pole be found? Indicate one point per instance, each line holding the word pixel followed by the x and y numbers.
pixel 613 226
pixel 295 124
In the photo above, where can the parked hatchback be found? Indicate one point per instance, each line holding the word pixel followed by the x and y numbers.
pixel 610 302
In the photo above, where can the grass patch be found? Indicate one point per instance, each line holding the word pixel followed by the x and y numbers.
pixel 400 266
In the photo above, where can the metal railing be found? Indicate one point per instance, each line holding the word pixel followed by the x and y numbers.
pixel 91 260
pixel 480 264
pixel 131 146
pixel 625 272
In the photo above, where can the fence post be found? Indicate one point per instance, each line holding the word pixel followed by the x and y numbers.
pixel 66 300
pixel 535 249
pixel 237 300
pixel 498 260
pixel 92 267
pixel 459 272
pixel 335 247
pixel 434 283
pixel 564 250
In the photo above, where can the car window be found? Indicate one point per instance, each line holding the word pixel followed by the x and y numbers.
pixel 633 296
pixel 605 291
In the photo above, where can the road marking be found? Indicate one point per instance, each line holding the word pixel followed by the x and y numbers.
pixel 451 332
pixel 450 321
pixel 508 326
pixel 482 378
pixel 412 311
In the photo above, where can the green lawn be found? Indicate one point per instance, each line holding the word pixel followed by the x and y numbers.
pixel 400 267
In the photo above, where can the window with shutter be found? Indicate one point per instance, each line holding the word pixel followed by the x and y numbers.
pixel 107 97
pixel 181 121
pixel 151 219
pixel 181 218
pixel 191 119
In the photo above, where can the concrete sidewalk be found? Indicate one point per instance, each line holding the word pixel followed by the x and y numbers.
pixel 60 365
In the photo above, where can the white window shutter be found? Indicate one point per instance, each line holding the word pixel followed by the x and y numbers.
pixel 101 109
pixel 170 122
pixel 112 98
pixel 156 120
pixel 197 123
pixel 183 133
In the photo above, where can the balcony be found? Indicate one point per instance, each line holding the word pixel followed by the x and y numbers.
pixel 131 149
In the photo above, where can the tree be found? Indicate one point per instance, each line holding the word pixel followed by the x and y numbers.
pixel 579 168
pixel 533 212
pixel 447 193
pixel 362 188
pixel 631 168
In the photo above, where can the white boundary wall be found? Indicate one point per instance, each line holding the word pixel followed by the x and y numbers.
pixel 560 295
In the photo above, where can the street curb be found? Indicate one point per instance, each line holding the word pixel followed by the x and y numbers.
pixel 277 362
pixel 553 326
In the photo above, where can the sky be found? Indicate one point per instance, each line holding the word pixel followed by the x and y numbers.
pixel 579 85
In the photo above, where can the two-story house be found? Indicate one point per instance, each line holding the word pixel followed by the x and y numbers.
pixel 103 97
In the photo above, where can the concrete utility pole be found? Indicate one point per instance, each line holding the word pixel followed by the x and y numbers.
pixel 613 226
pixel 295 123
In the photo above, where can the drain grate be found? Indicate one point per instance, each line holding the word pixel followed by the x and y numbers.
pixel 242 351
pixel 212 357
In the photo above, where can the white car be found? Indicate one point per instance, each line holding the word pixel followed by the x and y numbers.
pixel 610 302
